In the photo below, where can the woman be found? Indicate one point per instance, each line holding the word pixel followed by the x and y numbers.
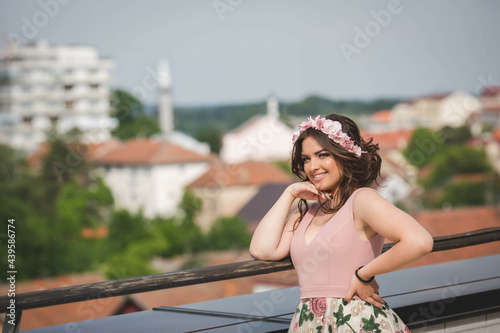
pixel 336 242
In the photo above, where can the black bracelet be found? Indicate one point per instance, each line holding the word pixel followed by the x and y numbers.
pixel 360 279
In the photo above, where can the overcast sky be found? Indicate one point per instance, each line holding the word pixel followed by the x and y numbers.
pixel 227 51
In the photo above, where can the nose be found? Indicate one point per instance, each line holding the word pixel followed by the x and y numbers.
pixel 313 164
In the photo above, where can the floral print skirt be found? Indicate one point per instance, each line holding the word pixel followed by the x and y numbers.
pixel 331 314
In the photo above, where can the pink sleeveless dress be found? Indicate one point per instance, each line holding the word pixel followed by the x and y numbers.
pixel 325 267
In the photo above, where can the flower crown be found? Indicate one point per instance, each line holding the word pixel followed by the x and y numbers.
pixel 331 128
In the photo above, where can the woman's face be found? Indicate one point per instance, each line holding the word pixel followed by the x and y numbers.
pixel 320 166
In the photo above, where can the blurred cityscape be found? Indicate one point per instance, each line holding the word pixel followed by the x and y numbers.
pixel 102 188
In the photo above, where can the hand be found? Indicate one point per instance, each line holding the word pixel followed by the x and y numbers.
pixel 367 292
pixel 307 191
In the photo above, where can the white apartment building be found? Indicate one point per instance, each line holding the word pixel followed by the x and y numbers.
pixel 62 87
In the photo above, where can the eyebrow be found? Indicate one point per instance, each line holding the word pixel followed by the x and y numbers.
pixel 316 153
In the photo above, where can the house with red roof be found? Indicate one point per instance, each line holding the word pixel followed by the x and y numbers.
pixel 145 174
pixel 227 188
pixel 150 174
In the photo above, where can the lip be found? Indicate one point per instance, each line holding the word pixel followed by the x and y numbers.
pixel 319 176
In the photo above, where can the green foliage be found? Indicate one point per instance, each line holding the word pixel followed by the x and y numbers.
pixel 229 233
pixel 52 208
pixel 84 207
pixel 455 135
pixel 133 261
pixel 446 154
pixel 63 162
pixel 131 245
pixel 126 228
pixel 456 160
pixel 463 194
pixel 182 233
pixel 213 137
pixel 133 121
pixel 314 105
pixel 190 205
pixel 424 145
pixel 193 120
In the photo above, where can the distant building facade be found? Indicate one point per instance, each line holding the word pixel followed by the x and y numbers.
pixel 454 109
pixel 44 86
pixel 226 188
pixel 150 175
pixel 261 138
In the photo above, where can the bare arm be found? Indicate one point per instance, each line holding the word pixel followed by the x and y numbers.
pixel 273 236
pixel 412 241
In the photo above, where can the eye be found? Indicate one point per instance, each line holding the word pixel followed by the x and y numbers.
pixel 324 154
pixel 305 159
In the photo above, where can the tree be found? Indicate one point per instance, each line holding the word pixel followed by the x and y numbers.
pixel 190 206
pixel 133 121
pixel 229 233
pixel 424 145
pixel 126 228
pixel 464 194
pixel 455 135
pixel 457 159
pixel 213 137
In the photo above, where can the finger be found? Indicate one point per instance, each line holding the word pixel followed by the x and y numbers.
pixel 374 302
pixel 349 295
pixel 377 298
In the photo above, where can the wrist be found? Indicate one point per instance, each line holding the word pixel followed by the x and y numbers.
pixel 290 192
pixel 362 277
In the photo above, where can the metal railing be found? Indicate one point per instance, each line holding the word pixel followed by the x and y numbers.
pixel 99 290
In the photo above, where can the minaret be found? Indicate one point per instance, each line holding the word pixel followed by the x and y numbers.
pixel 273 106
pixel 165 109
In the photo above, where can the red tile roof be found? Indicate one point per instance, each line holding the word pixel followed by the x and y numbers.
pixel 496 134
pixel 135 151
pixel 89 152
pixel 389 140
pixel 148 151
pixel 100 232
pixel 248 173
pixel 490 91
pixel 459 220
pixel 382 116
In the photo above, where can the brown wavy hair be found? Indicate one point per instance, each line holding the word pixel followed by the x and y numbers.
pixel 356 171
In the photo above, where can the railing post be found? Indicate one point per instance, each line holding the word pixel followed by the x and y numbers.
pixel 12 325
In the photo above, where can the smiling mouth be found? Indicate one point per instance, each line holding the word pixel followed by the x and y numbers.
pixel 319 176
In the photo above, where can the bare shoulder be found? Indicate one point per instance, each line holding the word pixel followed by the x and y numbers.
pixel 368 202
pixel 365 196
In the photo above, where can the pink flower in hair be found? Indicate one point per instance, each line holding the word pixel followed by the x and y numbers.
pixel 331 128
